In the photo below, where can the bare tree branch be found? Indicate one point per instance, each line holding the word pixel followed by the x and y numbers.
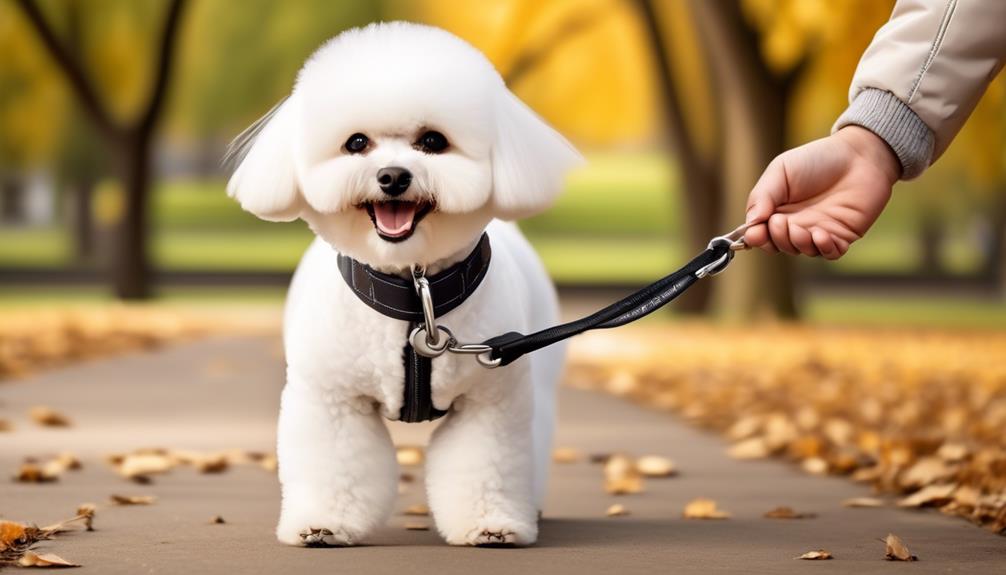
pixel 165 61
pixel 71 67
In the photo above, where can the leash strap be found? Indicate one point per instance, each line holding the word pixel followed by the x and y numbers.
pixel 510 346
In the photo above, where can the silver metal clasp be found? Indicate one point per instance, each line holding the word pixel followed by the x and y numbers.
pixel 432 340
pixel 433 343
pixel 734 241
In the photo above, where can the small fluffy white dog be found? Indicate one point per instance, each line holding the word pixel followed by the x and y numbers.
pixel 462 152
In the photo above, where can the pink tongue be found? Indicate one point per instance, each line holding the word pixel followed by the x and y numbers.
pixel 394 218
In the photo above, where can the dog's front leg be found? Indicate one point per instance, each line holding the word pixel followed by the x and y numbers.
pixel 479 469
pixel 336 465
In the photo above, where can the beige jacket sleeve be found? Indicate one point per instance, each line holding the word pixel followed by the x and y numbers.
pixel 924 73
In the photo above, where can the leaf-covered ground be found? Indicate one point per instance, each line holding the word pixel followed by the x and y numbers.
pixel 916 413
pixel 33 338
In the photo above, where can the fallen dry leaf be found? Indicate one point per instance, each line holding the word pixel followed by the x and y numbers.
pixel 217 520
pixel 566 455
pixel 784 512
pixel 863 502
pixel 132 499
pixel 815 466
pixel 16 540
pixel 953 452
pixel 6 426
pixel 416 510
pixel 212 464
pixel 68 461
pixel 703 508
pixel 895 549
pixel 621 476
pixel 33 473
pixel 752 448
pixel 655 466
pixel 927 471
pixel 931 495
pixel 87 511
pixel 139 465
pixel 31 559
pixel 48 417
pixel 269 463
pixel 617 510
pixel 417 526
pixel 409 455
pixel 819 555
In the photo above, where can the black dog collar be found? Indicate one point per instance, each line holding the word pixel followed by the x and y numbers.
pixel 396 297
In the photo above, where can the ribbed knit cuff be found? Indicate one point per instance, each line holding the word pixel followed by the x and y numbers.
pixel 885 115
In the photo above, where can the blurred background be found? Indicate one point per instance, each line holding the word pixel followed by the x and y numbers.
pixel 116 234
pixel 115 114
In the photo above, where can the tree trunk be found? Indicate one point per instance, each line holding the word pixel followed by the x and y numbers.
pixel 83 227
pixel 11 199
pixel 131 273
pixel 754 104
pixel 994 266
pixel 699 182
pixel 931 234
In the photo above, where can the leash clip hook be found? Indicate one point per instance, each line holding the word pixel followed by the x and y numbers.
pixel 734 242
pixel 434 342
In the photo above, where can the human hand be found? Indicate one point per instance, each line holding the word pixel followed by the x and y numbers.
pixel 820 197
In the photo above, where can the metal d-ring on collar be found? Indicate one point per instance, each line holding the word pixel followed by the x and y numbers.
pixel 432 340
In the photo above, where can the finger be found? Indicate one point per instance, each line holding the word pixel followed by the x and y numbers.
pixel 802 240
pixel 770 191
pixel 841 235
pixel 756 236
pixel 778 229
pixel 842 245
pixel 825 244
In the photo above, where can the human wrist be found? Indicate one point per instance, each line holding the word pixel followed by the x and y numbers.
pixel 882 113
pixel 873 149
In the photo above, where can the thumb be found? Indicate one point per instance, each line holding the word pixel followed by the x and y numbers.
pixel 769 192
pixel 759 211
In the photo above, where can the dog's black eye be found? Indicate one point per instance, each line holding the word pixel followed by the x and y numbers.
pixel 357 143
pixel 432 142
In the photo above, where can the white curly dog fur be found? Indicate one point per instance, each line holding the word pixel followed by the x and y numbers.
pixel 487 461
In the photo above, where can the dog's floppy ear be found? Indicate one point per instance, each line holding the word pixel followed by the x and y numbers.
pixel 530 159
pixel 265 181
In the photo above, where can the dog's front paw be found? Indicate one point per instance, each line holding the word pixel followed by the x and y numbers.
pixel 497 532
pixel 487 538
pixel 315 536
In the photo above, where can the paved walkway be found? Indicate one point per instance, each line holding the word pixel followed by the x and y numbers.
pixel 222 393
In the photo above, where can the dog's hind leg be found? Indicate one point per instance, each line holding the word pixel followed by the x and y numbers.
pixel 479 466
pixel 337 468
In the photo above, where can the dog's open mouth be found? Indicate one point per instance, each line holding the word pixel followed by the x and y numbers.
pixel 395 221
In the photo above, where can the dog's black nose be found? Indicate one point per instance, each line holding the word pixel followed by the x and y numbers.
pixel 394 181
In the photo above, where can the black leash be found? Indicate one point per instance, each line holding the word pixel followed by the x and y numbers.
pixel 506 348
pixel 512 345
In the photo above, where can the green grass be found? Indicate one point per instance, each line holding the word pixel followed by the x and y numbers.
pixel 34 247
pixel 917 311
pixel 225 250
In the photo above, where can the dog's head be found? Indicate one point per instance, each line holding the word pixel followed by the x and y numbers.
pixel 399 143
